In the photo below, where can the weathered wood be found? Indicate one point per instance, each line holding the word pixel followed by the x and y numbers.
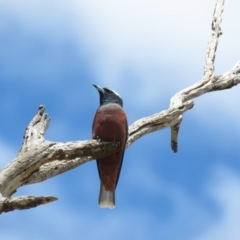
pixel 23 202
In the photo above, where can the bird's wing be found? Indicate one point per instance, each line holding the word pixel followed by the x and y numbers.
pixel 122 155
pixel 92 131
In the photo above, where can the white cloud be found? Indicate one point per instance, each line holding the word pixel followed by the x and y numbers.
pixel 217 112
pixel 188 217
pixel 150 50
pixel 224 188
pixel 149 39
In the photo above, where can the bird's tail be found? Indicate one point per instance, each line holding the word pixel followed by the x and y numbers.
pixel 106 198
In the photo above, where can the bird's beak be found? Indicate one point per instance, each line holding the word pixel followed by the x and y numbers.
pixel 100 90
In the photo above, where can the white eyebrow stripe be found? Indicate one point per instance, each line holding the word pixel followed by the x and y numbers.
pixel 116 93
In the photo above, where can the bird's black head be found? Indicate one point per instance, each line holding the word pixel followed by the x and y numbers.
pixel 108 96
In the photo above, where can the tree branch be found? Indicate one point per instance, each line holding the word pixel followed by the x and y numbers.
pixel 23 202
pixel 39 159
pixel 213 42
pixel 206 84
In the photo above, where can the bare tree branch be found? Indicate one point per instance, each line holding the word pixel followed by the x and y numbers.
pixel 23 202
pixel 213 42
pixel 39 159
pixel 54 168
pixel 36 151
pixel 208 79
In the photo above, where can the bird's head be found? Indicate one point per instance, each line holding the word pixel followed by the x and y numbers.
pixel 108 96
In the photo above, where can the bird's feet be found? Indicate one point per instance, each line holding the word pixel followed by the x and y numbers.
pixel 99 139
pixel 116 143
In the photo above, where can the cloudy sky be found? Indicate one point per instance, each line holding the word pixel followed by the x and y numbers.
pixel 52 51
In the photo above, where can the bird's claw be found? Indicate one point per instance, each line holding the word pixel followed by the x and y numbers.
pixel 116 143
pixel 99 139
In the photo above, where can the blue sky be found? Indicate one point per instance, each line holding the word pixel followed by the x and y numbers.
pixel 52 51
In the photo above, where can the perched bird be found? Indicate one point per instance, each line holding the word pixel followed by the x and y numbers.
pixel 109 124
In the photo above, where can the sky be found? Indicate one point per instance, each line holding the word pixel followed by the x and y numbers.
pixel 51 52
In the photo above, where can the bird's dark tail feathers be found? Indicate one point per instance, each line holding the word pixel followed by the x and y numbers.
pixel 106 198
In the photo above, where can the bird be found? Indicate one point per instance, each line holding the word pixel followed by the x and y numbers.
pixel 110 124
